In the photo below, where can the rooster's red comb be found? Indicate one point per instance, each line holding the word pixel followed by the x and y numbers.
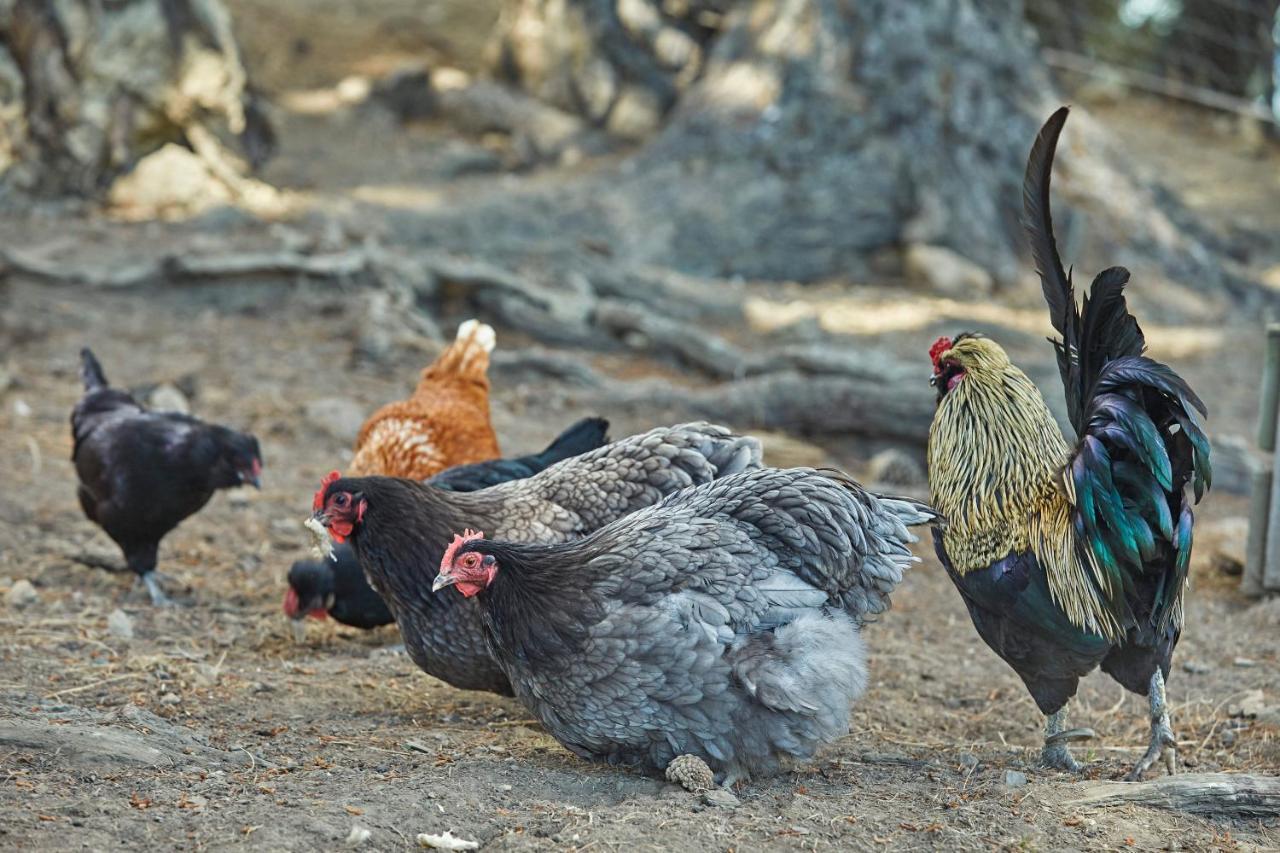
pixel 940 346
pixel 317 503
pixel 458 540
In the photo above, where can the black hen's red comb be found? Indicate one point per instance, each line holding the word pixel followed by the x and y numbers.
pixel 317 503
pixel 940 346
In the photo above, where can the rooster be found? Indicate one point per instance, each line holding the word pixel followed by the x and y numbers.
pixel 399 528
pixel 722 622
pixel 337 587
pixel 142 472
pixel 445 422
pixel 1070 557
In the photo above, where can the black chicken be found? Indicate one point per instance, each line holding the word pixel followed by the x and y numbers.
pixel 338 588
pixel 399 528
pixel 142 472
pixel 722 622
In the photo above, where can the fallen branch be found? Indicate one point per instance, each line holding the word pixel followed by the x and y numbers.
pixel 1220 794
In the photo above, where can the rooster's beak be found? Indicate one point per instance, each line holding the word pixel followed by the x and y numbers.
pixel 442 580
pixel 933 379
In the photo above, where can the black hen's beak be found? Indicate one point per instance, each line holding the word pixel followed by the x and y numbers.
pixel 251 479
pixel 442 580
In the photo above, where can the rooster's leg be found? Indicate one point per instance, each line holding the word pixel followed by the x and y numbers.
pixel 1056 736
pixel 1162 740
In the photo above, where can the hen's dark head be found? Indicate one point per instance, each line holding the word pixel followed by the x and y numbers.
pixel 466 566
pixel 966 356
pixel 311 590
pixel 339 505
pixel 240 460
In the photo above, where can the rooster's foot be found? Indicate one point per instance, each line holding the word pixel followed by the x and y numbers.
pixel 151 580
pixel 1056 737
pixel 1162 739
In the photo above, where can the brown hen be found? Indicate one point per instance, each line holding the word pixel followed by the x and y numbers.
pixel 445 422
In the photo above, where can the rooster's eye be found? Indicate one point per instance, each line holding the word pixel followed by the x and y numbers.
pixel 341 500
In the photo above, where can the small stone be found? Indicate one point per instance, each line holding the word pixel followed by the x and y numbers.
pixel 1249 706
pixel 21 594
pixel 1195 667
pixel 1015 779
pixel 358 835
pixel 947 272
pixel 21 408
pixel 341 417
pixel 895 468
pixel 119 624
pixel 354 89
pixel 691 773
pixel 1244 663
pixel 447 841
pixel 969 761
pixel 504 788
pixel 170 699
pixel 721 799
pixel 1228 737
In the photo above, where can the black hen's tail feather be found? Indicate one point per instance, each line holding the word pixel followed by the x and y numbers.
pixel 91 371
pixel 1038 222
pixel 587 434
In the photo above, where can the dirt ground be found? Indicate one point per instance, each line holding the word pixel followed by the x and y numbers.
pixel 210 728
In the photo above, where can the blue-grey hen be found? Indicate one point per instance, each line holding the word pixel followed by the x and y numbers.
pixel 399 529
pixel 722 622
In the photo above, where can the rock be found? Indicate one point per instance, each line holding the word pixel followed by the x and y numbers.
pixel 167 397
pixel 946 272
pixel 340 417
pixel 119 624
pixel 721 799
pixel 21 408
pixel 1228 737
pixel 1249 705
pixel 1015 779
pixel 354 89
pixel 358 835
pixel 448 841
pixel 171 180
pixel 895 468
pixel 170 699
pixel 21 594
pixel 969 761
pixel 1195 667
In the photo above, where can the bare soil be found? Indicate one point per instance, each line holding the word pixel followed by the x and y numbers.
pixel 211 728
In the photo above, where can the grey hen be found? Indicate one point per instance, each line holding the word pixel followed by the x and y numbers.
pixel 722 622
pixel 399 528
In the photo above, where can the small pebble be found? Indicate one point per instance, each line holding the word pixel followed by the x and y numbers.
pixel 1015 779
pixel 1245 663
pixel 1195 667
pixel 120 625
pixel 21 594
pixel 170 699
pixel 1228 738
pixel 358 835
pixel 969 760
pixel 21 409
pixel 721 799
pixel 504 787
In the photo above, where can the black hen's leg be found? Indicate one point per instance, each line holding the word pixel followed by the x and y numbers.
pixel 1162 740
pixel 142 560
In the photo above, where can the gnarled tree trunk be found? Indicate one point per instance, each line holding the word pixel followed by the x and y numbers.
pixel 87 88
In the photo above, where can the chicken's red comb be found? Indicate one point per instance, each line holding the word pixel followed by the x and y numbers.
pixel 466 536
pixel 940 346
pixel 317 503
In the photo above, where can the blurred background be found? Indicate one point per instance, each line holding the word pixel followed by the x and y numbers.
pixel 273 213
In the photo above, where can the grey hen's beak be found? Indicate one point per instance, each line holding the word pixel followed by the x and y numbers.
pixel 442 580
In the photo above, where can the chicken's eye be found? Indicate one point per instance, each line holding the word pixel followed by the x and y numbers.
pixel 470 561
pixel 341 500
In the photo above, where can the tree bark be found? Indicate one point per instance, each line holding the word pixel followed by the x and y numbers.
pixel 88 88
pixel 821 138
pixel 1208 794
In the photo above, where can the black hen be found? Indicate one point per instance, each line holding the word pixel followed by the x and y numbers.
pixel 722 622
pixel 142 472
pixel 338 588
